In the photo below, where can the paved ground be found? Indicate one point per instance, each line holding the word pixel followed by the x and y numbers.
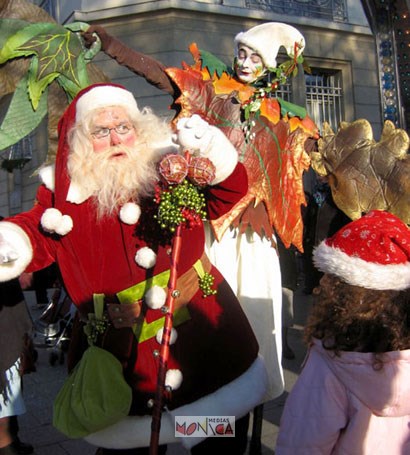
pixel 41 387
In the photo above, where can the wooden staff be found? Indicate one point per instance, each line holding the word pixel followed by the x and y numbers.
pixel 164 352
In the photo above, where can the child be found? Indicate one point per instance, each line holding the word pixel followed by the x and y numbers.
pixel 353 394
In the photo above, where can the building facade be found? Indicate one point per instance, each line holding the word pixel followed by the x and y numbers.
pixel 341 51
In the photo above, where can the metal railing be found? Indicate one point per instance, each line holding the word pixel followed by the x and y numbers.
pixel 331 10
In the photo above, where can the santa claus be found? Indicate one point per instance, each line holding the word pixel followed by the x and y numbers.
pixel 96 216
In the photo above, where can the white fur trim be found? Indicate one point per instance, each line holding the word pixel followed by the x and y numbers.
pixel 104 96
pixel 266 39
pixel 130 213
pixel 132 432
pixel 155 297
pixel 76 194
pixel 20 243
pixel 236 398
pixel 47 177
pixel 358 272
pixel 172 338
pixel 146 257
pixel 53 220
pixel 173 379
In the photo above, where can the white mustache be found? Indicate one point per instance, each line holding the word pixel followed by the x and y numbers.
pixel 114 150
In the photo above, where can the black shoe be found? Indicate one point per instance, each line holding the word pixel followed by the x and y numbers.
pixel 21 448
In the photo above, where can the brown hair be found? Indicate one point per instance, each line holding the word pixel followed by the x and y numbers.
pixel 352 318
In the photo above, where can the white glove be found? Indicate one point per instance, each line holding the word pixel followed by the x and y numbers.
pixel 7 252
pixel 15 251
pixel 200 138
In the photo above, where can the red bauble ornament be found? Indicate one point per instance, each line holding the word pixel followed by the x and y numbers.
pixel 173 168
pixel 201 170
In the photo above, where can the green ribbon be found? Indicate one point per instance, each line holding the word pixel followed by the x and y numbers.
pixel 143 330
pixel 199 268
pixel 98 300
pixel 137 292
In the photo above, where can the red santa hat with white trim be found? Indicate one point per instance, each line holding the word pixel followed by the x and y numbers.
pixel 372 252
pixel 92 97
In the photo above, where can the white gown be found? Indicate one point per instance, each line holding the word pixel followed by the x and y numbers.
pixel 15 404
pixel 251 267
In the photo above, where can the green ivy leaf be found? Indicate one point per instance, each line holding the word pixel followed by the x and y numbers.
pixel 21 119
pixel 291 109
pixel 57 54
pixel 14 45
pixel 213 64
pixel 9 27
pixel 36 86
pixel 306 67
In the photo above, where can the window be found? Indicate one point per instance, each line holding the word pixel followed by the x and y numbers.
pixel 324 97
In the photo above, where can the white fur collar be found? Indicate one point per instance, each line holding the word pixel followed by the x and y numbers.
pixel 75 194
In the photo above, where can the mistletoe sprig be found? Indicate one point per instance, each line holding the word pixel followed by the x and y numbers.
pixel 181 204
pixel 253 104
pixel 94 327
pixel 289 67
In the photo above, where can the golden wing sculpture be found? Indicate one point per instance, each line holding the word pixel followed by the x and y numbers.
pixel 365 174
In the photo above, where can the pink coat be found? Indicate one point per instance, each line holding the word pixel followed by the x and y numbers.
pixel 341 405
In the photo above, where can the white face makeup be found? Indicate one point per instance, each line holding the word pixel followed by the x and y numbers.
pixel 248 65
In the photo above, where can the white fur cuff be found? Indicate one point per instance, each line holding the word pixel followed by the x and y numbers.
pixel 20 243
pixel 236 398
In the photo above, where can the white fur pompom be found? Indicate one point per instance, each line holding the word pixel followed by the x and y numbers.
pixel 65 226
pixel 130 213
pixel 53 220
pixel 145 257
pixel 155 297
pixel 172 338
pixel 173 379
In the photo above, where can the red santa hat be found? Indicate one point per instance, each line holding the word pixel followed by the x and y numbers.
pixel 372 252
pixel 103 96
pixel 92 97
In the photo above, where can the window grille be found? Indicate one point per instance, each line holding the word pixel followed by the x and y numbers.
pixel 324 98
pixel 16 156
pixel 331 10
pixel 284 91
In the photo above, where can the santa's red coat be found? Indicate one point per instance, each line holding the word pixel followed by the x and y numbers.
pixel 215 342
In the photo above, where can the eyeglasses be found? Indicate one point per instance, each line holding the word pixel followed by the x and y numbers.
pixel 119 129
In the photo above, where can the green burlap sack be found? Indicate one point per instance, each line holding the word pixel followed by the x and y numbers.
pixel 94 396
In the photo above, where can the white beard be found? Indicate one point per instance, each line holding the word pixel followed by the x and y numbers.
pixel 115 181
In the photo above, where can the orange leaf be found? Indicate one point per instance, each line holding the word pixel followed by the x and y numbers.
pixel 270 108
